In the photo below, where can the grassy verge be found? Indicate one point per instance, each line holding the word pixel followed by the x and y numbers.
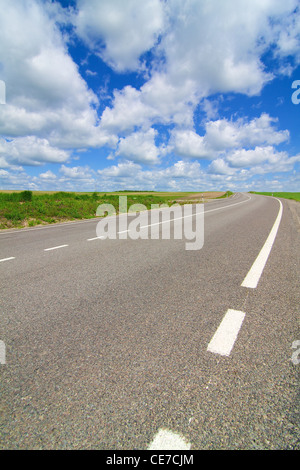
pixel 295 196
pixel 227 194
pixel 26 208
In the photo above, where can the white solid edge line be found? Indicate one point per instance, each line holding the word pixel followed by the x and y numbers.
pixel 168 440
pixel 7 259
pixel 224 338
pixel 255 272
pixel 55 247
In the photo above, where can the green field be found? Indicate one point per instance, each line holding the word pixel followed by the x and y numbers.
pixel 295 196
pixel 26 208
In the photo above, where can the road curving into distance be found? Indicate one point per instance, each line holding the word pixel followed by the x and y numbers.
pixel 141 344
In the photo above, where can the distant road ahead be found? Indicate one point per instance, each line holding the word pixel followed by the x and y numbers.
pixel 137 344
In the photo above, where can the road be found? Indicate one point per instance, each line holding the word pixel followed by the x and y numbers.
pixel 141 344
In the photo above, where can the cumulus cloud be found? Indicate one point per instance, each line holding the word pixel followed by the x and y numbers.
pixel 30 150
pixel 226 43
pixel 46 97
pixel 140 147
pixel 246 158
pixel 48 176
pixel 184 53
pixel 220 167
pixel 17 178
pixel 183 169
pixel 206 47
pixel 288 37
pixel 129 175
pixel 122 170
pixel 223 135
pixel 120 32
pixel 128 111
pixel 245 164
pixel 38 69
pixel 189 144
pixel 76 172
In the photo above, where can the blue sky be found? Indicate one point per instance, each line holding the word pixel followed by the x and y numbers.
pixel 175 95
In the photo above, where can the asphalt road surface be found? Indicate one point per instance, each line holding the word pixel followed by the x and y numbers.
pixel 143 344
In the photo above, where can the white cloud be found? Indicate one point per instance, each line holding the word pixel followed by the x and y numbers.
pixel 220 167
pixel 48 175
pixel 76 172
pixel 30 150
pixel 183 169
pixel 206 47
pixel 128 111
pixel 245 158
pixel 38 69
pixel 90 73
pixel 288 37
pixel 140 147
pixel 122 170
pixel 157 102
pixel 223 135
pixel 219 44
pixel 16 179
pixel 189 144
pixel 129 175
pixel 195 49
pixel 46 97
pixel 172 102
pixel 120 31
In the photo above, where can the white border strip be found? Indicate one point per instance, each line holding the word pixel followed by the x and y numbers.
pixel 7 259
pixel 253 276
pixel 224 338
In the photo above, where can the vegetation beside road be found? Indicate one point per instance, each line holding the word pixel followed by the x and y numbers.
pixel 285 195
pixel 27 209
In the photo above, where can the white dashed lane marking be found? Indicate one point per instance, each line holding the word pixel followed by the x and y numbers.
pixel 55 247
pixel 168 440
pixel 224 338
pixel 7 259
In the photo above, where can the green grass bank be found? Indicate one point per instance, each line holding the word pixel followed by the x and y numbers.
pixel 26 208
pixel 285 195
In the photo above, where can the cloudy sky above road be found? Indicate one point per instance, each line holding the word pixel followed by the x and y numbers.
pixel 170 95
